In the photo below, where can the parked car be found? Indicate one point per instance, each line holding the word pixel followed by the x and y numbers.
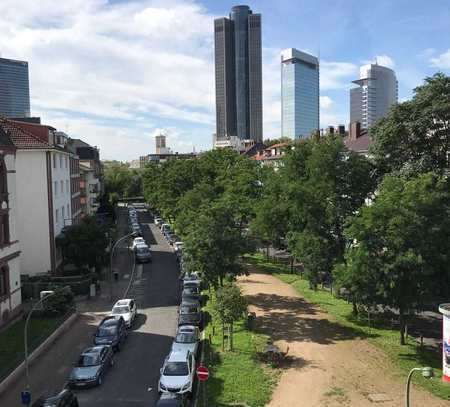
pixel 65 398
pixel 172 400
pixel 111 331
pixel 143 253
pixel 136 229
pixel 177 373
pixel 178 246
pixel 192 277
pixel 190 313
pixel 172 238
pixel 190 293
pixel 165 227
pixel 137 241
pixel 127 309
pixel 158 221
pixel 91 366
pixel 186 339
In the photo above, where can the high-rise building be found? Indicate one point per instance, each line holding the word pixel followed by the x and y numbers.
pixel 377 91
pixel 160 144
pixel 299 94
pixel 14 88
pixel 238 63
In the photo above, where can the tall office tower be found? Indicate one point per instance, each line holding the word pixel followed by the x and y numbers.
pixel 14 88
pixel 377 91
pixel 299 94
pixel 238 62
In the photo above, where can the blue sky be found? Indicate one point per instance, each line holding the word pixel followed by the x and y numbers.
pixel 116 73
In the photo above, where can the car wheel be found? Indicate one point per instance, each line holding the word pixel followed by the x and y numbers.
pixel 99 380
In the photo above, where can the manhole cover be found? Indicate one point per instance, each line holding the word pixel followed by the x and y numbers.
pixel 379 397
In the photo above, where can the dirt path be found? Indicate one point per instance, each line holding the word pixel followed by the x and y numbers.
pixel 331 366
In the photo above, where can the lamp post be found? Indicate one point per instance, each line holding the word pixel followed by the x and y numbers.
pixel 111 263
pixel 25 334
pixel 427 372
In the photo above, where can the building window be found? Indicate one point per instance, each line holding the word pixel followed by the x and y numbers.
pixel 65 161
pixel 56 188
pixel 57 216
pixel 4 281
pixel 54 160
pixel 4 229
pixel 60 161
pixel 67 186
pixel 63 215
pixel 3 177
pixel 68 211
pixel 62 186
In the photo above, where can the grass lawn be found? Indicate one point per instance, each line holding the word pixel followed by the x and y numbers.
pixel 11 341
pixel 403 358
pixel 236 376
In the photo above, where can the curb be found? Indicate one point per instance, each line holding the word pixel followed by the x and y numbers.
pixel 19 370
pixel 202 357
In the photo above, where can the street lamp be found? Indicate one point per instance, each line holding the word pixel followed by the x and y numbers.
pixel 111 262
pixel 427 372
pixel 25 334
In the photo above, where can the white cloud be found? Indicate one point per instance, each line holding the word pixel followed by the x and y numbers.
pixel 442 61
pixel 123 61
pixel 383 60
pixel 325 102
pixel 337 75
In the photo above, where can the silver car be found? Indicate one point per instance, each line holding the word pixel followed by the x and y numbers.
pixel 186 339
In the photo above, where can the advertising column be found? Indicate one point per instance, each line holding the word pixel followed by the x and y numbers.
pixel 444 309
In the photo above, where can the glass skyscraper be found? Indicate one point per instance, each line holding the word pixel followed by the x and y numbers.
pixel 14 88
pixel 377 91
pixel 299 94
pixel 238 63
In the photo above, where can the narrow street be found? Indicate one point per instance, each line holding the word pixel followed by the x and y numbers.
pixel 134 378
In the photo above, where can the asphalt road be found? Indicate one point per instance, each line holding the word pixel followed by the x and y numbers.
pixel 133 381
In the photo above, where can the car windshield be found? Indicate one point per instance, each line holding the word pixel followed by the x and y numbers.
pixel 106 331
pixel 121 310
pixel 176 369
pixel 188 310
pixel 88 360
pixel 186 338
pixel 142 250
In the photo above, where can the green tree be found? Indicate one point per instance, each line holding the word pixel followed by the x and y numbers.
pixel 121 181
pixel 85 244
pixel 324 184
pixel 60 302
pixel 229 305
pixel 213 244
pixel 415 136
pixel 401 246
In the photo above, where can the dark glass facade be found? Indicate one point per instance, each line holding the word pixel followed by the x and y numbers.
pixel 238 64
pixel 14 88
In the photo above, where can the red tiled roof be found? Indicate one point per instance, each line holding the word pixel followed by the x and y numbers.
pixel 21 138
pixel 279 145
pixel 359 145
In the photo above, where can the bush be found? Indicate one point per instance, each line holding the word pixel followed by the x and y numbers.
pixel 59 303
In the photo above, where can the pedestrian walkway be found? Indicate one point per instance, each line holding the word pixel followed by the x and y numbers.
pixel 330 366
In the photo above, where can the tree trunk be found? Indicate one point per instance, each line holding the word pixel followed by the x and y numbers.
pixel 267 252
pixel 402 327
pixel 355 308
pixel 230 338
pixel 223 337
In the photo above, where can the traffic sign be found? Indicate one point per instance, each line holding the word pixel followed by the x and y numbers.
pixel 25 396
pixel 202 373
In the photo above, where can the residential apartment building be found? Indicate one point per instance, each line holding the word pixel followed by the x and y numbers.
pixel 43 193
pixel 377 91
pixel 238 75
pixel 74 165
pixel 91 180
pixel 10 287
pixel 271 156
pixel 299 94
pixel 14 88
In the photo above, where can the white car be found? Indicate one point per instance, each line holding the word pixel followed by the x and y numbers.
pixel 178 247
pixel 138 241
pixel 158 221
pixel 165 227
pixel 186 339
pixel 127 309
pixel 177 373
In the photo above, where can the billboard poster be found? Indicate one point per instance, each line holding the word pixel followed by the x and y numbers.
pixel 444 309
